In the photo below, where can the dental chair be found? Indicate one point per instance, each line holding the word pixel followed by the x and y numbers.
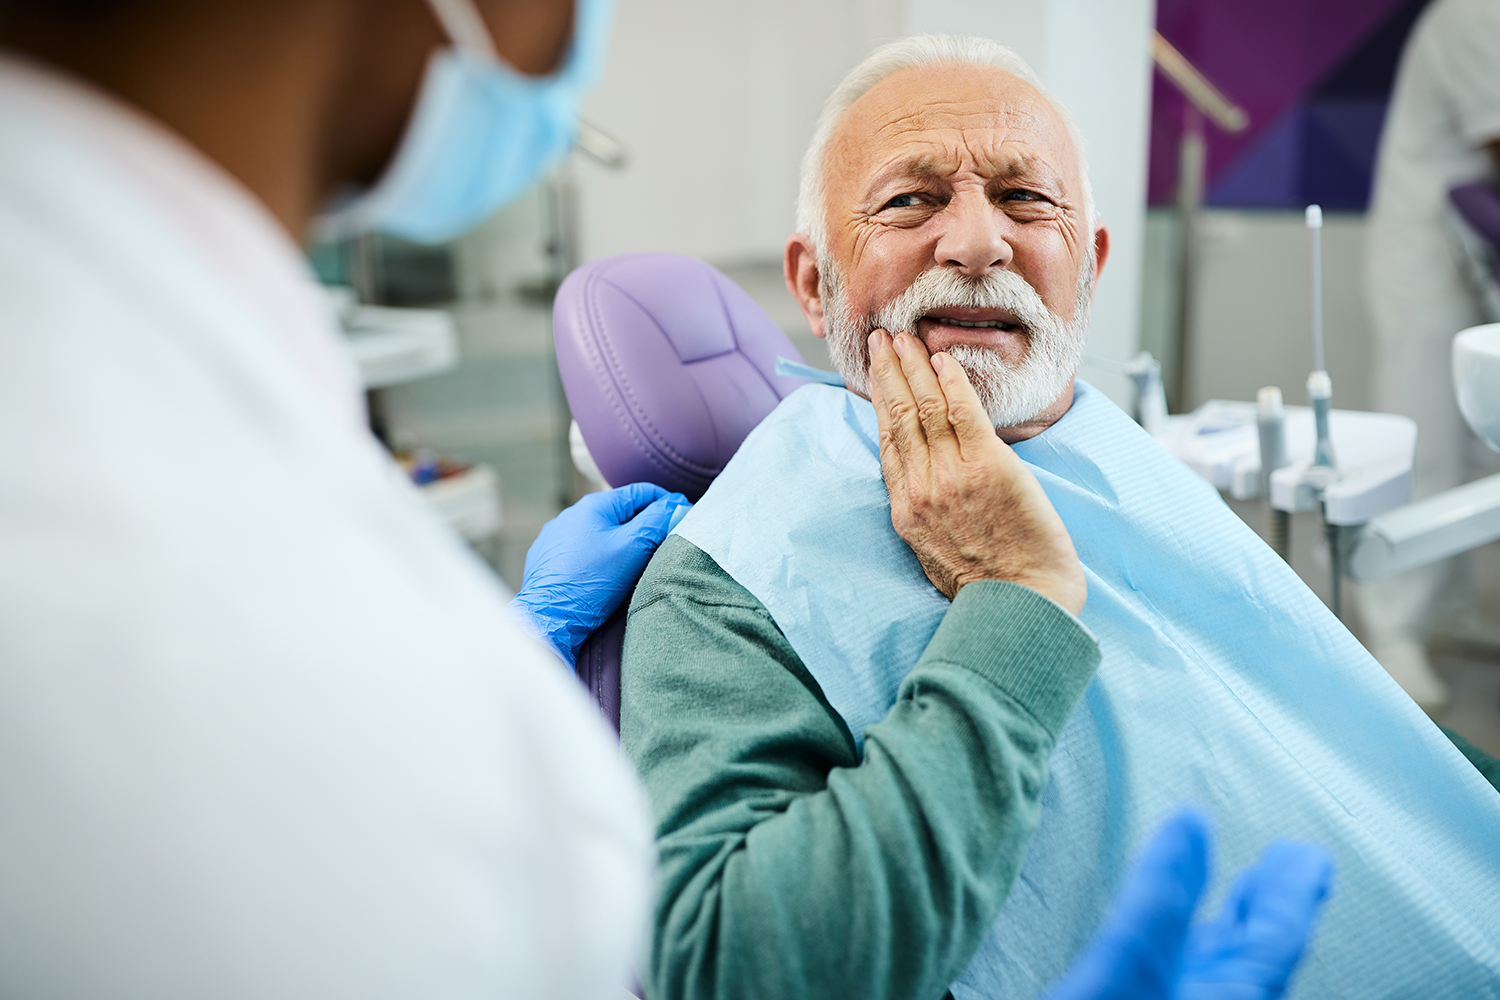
pixel 667 366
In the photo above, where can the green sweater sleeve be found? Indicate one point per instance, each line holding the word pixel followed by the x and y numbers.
pixel 1483 762
pixel 789 866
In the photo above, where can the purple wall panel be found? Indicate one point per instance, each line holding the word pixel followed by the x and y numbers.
pixel 1271 57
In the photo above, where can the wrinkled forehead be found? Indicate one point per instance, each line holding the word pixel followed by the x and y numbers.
pixel 951 119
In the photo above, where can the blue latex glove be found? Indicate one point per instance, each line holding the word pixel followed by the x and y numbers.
pixel 586 560
pixel 1149 950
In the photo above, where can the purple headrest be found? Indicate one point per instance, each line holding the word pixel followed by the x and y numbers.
pixel 667 365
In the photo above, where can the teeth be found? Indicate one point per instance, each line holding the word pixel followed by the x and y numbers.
pixel 990 324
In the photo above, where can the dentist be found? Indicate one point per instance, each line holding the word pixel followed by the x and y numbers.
pixel 266 728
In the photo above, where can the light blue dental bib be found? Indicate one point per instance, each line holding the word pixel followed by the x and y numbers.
pixel 1224 681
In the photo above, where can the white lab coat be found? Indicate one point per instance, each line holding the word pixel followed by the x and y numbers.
pixel 1445 109
pixel 265 728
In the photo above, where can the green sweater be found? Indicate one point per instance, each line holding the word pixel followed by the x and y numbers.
pixel 791 868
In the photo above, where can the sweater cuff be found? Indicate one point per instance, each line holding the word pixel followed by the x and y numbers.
pixel 1028 646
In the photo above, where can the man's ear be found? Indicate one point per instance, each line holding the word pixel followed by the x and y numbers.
pixel 804 281
pixel 1101 253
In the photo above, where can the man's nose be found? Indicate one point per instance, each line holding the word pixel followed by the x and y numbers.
pixel 974 241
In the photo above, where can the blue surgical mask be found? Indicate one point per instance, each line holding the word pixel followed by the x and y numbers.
pixel 481 132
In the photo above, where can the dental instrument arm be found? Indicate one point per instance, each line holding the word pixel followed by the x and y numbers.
pixel 1418 533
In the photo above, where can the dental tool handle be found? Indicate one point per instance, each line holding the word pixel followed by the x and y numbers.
pixel 1315 231
pixel 1320 394
pixel 1270 422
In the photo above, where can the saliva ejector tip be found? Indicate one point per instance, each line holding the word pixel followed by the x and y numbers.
pixel 1314 216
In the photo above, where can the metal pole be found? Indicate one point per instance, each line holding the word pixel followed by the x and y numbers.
pixel 564 250
pixel 1335 536
pixel 1191 167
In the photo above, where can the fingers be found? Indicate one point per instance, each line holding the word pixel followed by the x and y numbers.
pixel 966 414
pixel 624 503
pixel 931 400
pixel 897 411
pixel 653 524
pixel 1274 905
pixel 968 508
pixel 1255 943
pixel 1297 876
pixel 1157 900
pixel 1137 952
pixel 1174 866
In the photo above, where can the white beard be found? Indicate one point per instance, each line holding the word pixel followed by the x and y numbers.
pixel 1011 394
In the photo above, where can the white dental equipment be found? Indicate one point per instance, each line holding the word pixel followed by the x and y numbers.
pixel 1270 425
pixel 1322 473
pixel 1455 520
pixel 1382 532
pixel 1319 385
pixel 1286 454
pixel 1144 372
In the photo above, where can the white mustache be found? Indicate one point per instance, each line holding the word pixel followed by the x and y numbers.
pixel 939 289
pixel 1011 393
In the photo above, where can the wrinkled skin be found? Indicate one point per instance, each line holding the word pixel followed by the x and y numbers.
pixel 969 169
pixel 959 167
pixel 966 504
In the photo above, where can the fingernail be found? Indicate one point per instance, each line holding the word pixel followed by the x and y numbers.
pixel 900 347
pixel 938 361
pixel 874 341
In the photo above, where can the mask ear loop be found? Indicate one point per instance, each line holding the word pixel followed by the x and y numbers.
pixel 466 29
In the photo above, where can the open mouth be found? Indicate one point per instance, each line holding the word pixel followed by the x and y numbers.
pixel 974 319
pixel 982 324
pixel 950 326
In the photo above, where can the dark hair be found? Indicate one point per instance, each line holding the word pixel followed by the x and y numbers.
pixel 63 10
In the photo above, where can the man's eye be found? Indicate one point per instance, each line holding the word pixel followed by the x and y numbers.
pixel 903 201
pixel 1020 196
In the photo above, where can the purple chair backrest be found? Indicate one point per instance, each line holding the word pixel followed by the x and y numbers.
pixel 1479 205
pixel 667 365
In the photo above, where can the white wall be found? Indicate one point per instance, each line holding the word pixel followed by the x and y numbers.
pixel 1095 56
pixel 1252 316
pixel 716 100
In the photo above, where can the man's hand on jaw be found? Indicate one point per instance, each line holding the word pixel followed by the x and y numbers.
pixel 967 506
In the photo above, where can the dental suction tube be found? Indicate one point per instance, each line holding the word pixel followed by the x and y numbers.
pixel 1315 231
pixel 1319 385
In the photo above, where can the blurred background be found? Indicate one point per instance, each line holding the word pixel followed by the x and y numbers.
pixel 696 136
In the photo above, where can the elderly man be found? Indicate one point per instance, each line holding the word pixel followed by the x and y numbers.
pixel 844 791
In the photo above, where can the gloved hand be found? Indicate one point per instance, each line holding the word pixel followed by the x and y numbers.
pixel 587 559
pixel 1148 950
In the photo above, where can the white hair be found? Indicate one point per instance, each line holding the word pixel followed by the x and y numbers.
pixel 907 53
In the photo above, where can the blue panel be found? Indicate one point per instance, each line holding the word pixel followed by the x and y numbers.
pixel 1339 145
pixel 1269 173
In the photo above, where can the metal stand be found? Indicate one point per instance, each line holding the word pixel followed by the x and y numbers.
pixel 1335 535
